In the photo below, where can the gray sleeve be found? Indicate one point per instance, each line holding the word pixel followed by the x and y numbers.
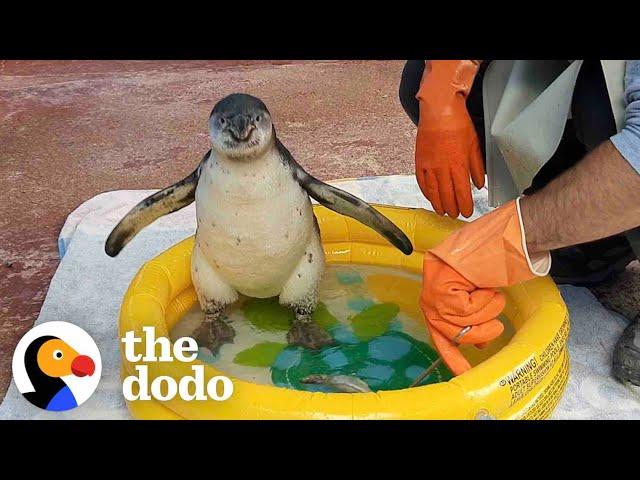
pixel 627 141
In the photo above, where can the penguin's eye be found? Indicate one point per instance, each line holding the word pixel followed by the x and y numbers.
pixel 258 118
pixel 221 121
pixel 57 354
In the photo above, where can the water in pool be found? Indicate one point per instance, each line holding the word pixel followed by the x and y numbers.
pixel 371 312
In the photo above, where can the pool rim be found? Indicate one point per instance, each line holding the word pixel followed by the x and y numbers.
pixel 525 378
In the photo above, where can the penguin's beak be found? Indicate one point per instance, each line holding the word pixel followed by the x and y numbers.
pixel 241 127
pixel 82 366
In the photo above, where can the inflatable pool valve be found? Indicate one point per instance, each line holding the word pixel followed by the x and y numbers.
pixel 525 379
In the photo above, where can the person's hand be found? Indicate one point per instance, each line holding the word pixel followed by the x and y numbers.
pixel 459 299
pixel 447 148
pixel 457 312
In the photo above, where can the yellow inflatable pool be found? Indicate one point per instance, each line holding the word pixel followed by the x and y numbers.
pixel 525 379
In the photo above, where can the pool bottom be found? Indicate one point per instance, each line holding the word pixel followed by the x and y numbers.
pixel 371 312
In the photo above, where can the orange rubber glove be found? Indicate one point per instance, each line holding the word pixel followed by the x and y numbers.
pixel 460 300
pixel 447 148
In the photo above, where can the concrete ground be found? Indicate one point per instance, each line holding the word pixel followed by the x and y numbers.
pixel 72 129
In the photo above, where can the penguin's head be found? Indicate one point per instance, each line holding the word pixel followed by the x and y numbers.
pixel 55 358
pixel 240 127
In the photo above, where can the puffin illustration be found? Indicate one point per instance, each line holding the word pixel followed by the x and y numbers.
pixel 47 359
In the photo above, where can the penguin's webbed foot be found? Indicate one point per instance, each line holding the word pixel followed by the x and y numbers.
pixel 212 334
pixel 308 334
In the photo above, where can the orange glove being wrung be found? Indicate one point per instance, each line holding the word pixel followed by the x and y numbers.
pixel 459 299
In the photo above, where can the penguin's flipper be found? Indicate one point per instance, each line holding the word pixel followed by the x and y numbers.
pixel 346 204
pixel 161 203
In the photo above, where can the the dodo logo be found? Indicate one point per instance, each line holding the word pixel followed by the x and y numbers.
pixel 56 366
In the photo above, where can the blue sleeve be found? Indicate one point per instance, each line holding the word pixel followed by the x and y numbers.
pixel 627 141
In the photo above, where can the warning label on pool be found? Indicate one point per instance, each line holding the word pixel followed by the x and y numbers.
pixel 547 400
pixel 528 375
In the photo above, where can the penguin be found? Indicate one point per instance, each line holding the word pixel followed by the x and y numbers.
pixel 256 232
pixel 46 360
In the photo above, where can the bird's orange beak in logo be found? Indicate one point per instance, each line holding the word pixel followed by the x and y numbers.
pixel 82 366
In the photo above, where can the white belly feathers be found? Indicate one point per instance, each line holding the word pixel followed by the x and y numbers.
pixel 254 222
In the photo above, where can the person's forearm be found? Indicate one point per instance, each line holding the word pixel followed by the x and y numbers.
pixel 596 198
